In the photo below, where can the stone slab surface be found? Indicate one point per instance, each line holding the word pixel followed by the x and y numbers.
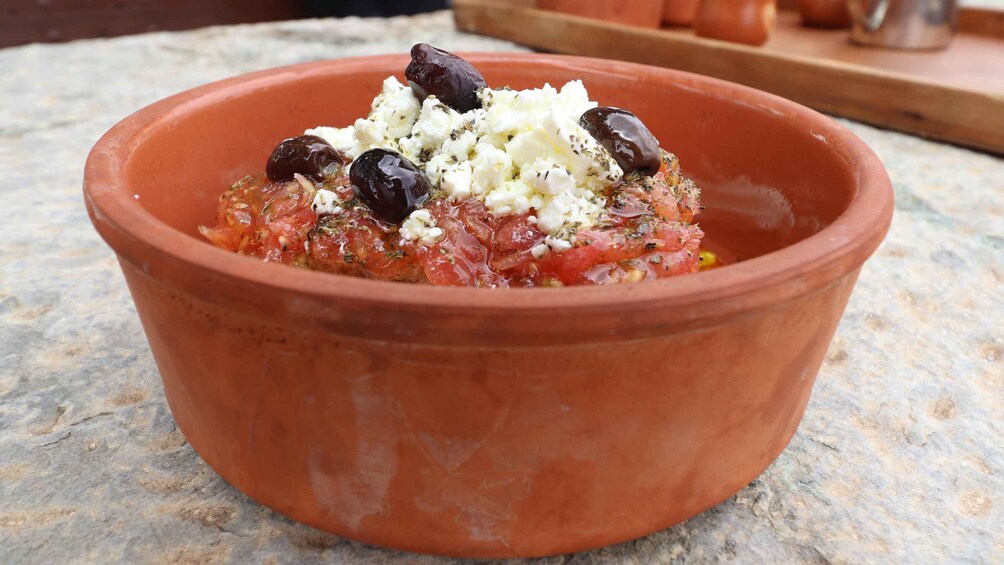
pixel 899 459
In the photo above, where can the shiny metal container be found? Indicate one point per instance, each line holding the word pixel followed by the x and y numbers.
pixel 904 24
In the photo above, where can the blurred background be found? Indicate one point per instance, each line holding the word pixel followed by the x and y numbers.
pixel 29 21
pixel 53 21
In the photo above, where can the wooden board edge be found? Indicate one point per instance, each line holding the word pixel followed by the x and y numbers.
pixel 982 21
pixel 926 109
pixel 976 21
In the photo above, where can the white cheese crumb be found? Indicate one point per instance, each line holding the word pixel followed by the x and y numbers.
pixel 326 202
pixel 550 244
pixel 539 250
pixel 433 128
pixel 557 245
pixel 568 209
pixel 396 107
pixel 457 181
pixel 492 167
pixel 339 138
pixel 513 197
pixel 420 226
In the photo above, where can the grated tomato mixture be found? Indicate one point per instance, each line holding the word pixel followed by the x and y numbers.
pixel 645 234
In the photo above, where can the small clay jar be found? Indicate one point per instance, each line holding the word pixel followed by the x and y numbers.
pixel 680 12
pixel 825 13
pixel 739 21
pixel 643 13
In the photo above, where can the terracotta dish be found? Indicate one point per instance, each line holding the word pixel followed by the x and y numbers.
pixel 680 12
pixel 643 13
pixel 825 13
pixel 739 21
pixel 479 422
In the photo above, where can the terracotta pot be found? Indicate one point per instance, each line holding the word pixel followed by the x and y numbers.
pixel 739 21
pixel 680 12
pixel 825 13
pixel 644 13
pixel 480 422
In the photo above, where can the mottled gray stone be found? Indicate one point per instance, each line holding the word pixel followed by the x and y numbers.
pixel 899 458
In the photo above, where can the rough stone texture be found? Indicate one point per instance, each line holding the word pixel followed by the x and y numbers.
pixel 899 459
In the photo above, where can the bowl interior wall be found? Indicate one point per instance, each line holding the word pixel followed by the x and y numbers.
pixel 766 183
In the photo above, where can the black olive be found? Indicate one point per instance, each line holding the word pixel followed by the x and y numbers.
pixel 625 136
pixel 444 75
pixel 308 155
pixel 389 184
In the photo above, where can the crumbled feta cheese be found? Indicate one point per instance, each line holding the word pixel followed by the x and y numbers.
pixel 523 150
pixel 550 244
pixel 557 245
pixel 397 107
pixel 392 116
pixel 421 226
pixel 370 134
pixel 538 251
pixel 457 181
pixel 568 209
pixel 548 178
pixel 513 111
pixel 339 138
pixel 436 123
pixel 326 202
pixel 460 145
pixel 513 197
pixel 492 167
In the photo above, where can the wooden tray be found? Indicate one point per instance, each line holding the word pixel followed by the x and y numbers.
pixel 955 95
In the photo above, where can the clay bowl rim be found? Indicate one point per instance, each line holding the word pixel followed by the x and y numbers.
pixel 693 300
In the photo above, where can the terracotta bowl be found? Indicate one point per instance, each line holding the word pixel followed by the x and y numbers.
pixel 740 21
pixel 641 13
pixel 825 13
pixel 480 422
pixel 680 12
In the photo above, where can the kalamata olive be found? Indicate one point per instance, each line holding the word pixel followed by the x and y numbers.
pixel 308 155
pixel 625 136
pixel 444 75
pixel 389 184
